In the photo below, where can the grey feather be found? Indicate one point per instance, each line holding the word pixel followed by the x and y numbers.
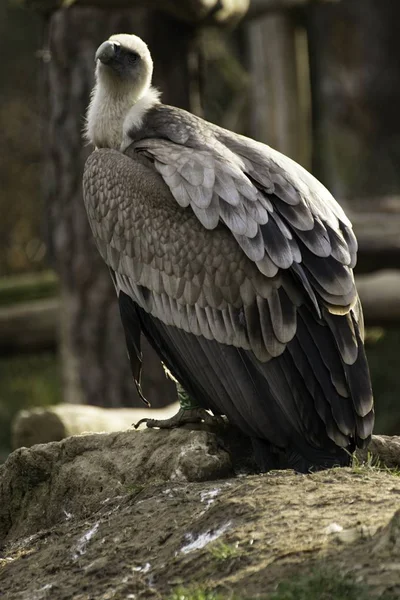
pixel 272 344
pixel 300 217
pixel 316 239
pixel 351 242
pixel 255 210
pixel 254 248
pixel 285 190
pixel 266 266
pixel 226 188
pixel 209 216
pixel 283 315
pixel 234 217
pixel 276 245
pixel 340 250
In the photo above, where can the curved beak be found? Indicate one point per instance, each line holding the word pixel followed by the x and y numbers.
pixel 105 53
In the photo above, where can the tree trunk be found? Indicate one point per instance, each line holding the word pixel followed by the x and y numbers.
pixel 280 84
pixel 355 65
pixel 96 368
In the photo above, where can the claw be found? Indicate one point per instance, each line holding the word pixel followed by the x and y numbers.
pixel 138 424
pixel 183 417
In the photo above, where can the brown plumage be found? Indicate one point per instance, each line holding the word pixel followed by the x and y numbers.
pixel 235 263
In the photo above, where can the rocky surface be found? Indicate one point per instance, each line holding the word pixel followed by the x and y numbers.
pixel 139 514
pixel 54 423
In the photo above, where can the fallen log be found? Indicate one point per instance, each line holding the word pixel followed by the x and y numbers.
pixel 29 327
pixel 53 423
pixel 376 223
pixel 380 293
pixel 29 287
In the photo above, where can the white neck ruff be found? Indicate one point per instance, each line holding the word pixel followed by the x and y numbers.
pixel 111 116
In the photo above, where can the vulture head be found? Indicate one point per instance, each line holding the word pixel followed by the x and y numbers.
pixel 124 62
pixel 124 69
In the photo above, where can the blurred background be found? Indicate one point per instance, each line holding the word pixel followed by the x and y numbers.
pixel 318 80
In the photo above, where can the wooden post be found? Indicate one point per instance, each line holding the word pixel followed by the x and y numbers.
pixel 280 85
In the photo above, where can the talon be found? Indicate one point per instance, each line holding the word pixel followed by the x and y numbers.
pixel 138 424
pixel 183 417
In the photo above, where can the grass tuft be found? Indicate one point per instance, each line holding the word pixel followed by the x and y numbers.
pixel 374 464
pixel 221 551
pixel 321 585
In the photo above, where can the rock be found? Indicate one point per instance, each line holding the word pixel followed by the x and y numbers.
pixel 53 423
pixel 383 448
pixel 137 514
pixel 42 485
pixel 100 517
pixel 389 537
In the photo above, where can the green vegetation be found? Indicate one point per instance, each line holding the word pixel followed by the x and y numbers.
pixel 221 551
pixel 25 288
pixel 26 381
pixel 373 463
pixel 195 594
pixel 382 347
pixel 321 586
pixel 324 585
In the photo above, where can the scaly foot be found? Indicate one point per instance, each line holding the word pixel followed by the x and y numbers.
pixel 183 417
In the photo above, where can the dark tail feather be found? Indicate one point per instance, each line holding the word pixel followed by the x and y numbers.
pixel 308 460
pixel 304 459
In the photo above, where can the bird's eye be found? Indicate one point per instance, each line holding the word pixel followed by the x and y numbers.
pixel 133 57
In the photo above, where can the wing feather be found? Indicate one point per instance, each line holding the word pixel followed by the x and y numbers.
pixel 284 246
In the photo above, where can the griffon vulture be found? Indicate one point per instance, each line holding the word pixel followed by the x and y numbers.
pixel 234 262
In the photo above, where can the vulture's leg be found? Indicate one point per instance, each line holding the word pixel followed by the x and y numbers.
pixel 189 413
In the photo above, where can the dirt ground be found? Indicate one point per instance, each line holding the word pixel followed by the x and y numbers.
pixel 238 536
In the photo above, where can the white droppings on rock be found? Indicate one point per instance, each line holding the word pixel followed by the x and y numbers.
pixel 178 474
pixel 41 593
pixel 83 541
pixel 144 569
pixel 209 496
pixel 333 528
pixel 199 541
